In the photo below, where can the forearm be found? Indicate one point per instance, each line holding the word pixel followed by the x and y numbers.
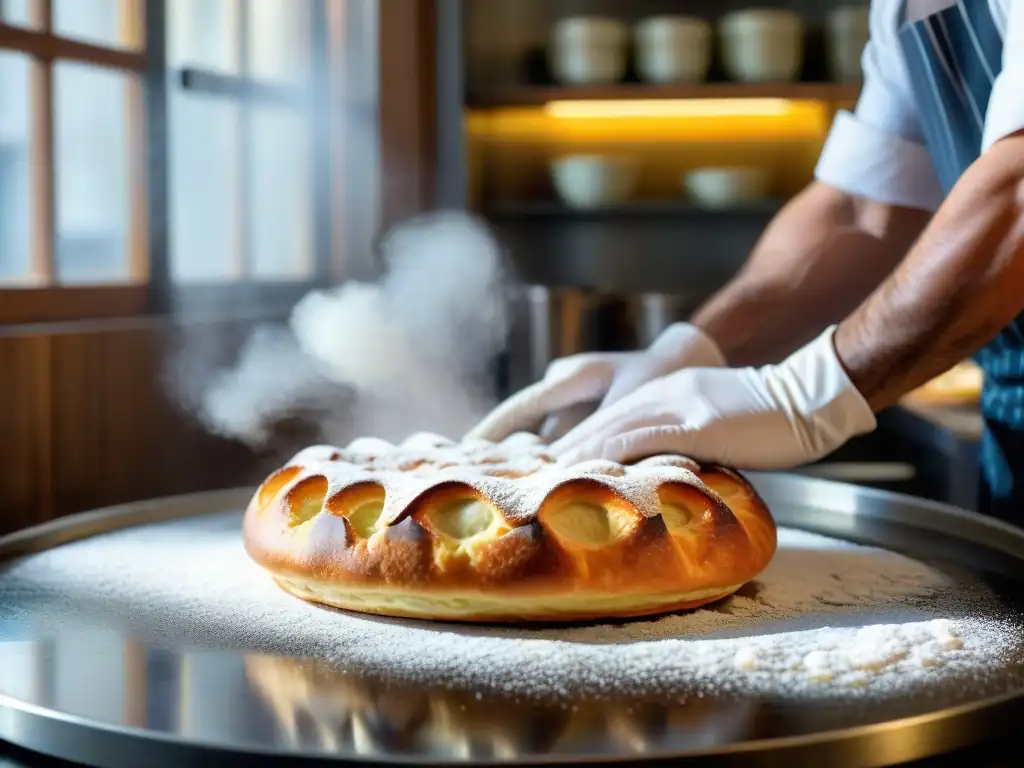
pixel 959 286
pixel 816 262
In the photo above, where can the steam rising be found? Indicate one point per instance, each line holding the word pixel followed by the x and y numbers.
pixel 410 352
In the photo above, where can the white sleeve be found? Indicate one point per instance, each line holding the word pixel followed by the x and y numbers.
pixel 1006 104
pixel 878 150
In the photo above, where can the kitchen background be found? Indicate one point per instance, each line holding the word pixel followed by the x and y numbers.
pixel 176 173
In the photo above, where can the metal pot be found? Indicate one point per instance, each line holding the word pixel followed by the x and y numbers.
pixel 553 322
pixel 657 311
pixel 548 323
pixel 568 321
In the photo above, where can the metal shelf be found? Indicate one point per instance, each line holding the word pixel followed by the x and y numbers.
pixel 538 95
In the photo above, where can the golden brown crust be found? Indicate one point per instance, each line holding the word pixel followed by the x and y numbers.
pixel 497 532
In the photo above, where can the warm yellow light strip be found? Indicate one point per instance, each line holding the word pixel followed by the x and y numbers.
pixel 669 108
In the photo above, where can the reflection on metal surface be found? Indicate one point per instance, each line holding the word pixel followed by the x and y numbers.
pixel 133 695
pixel 135 684
pixel 211 687
pixel 326 710
pixel 19 674
pixel 861 471
pixel 88 680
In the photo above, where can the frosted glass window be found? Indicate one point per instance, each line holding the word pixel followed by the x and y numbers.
pixel 281 194
pixel 91 165
pixel 15 182
pixel 99 22
pixel 203 34
pixel 16 12
pixel 204 186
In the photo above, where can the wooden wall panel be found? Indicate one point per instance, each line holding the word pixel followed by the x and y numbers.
pixel 77 412
pixel 24 431
pixel 87 421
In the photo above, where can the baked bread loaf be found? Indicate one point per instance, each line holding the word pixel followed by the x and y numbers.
pixel 480 531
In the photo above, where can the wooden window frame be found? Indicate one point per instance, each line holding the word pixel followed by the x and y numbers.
pixel 152 290
pixel 405 110
pixel 409 110
pixel 241 292
pixel 45 49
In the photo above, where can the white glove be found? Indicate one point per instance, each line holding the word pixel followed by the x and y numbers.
pixel 568 383
pixel 681 345
pixel 775 417
pixel 573 387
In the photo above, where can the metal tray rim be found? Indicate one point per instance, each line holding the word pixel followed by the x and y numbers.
pixel 853 736
pixel 29 725
pixel 914 511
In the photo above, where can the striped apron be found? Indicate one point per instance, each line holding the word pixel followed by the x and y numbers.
pixel 953 57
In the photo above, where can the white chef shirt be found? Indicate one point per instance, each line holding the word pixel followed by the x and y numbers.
pixel 878 150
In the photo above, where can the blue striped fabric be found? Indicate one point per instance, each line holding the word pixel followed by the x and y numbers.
pixel 953 58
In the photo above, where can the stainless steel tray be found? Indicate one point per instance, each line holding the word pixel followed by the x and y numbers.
pixel 129 702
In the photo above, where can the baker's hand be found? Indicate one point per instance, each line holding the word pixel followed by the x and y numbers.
pixel 681 345
pixel 568 384
pixel 573 387
pixel 775 417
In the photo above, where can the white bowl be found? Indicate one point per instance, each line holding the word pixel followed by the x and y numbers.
pixel 762 45
pixel 846 34
pixel 725 187
pixel 592 181
pixel 672 49
pixel 588 50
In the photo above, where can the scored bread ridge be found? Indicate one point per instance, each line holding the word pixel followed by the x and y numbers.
pixel 481 531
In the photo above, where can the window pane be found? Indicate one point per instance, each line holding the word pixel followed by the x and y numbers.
pixel 90 139
pixel 358 153
pixel 110 23
pixel 204 178
pixel 203 34
pixel 15 189
pixel 17 12
pixel 280 194
pixel 279 39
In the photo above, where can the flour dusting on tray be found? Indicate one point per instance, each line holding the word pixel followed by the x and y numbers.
pixel 827 618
